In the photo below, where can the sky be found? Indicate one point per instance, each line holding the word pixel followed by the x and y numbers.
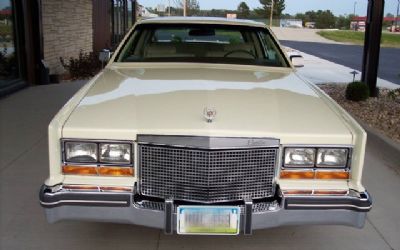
pixel 338 7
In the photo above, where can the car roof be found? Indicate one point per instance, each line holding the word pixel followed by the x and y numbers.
pixel 202 20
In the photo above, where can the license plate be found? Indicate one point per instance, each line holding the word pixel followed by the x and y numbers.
pixel 208 220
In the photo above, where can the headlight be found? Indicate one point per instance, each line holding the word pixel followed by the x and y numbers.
pixel 299 157
pixel 115 153
pixel 98 158
pixel 316 163
pixel 80 152
pixel 330 157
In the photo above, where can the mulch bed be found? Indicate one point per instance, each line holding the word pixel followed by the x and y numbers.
pixel 381 113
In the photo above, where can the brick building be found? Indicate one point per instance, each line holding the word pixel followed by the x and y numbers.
pixel 35 34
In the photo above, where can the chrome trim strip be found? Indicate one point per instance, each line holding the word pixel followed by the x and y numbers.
pixel 83 201
pixel 329 206
pixel 205 142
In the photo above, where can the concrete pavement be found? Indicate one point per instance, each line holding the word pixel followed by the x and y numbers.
pixel 318 71
pixel 351 56
pixel 24 165
pixel 301 35
pixel 330 61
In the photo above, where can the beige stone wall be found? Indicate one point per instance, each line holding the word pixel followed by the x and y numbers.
pixel 67 29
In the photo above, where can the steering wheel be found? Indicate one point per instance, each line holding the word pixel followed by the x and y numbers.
pixel 240 51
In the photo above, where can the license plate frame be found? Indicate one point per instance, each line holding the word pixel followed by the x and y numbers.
pixel 225 214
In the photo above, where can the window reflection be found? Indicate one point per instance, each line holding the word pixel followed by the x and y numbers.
pixel 8 58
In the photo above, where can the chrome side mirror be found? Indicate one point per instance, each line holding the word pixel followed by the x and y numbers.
pixel 297 60
pixel 105 55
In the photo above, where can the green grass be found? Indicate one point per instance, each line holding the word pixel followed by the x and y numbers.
pixel 5 29
pixel 355 37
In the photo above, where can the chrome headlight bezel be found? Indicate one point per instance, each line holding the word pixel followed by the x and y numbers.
pixel 346 166
pixel 98 144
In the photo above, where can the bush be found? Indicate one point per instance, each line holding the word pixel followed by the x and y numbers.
pixel 357 91
pixel 85 66
pixel 394 94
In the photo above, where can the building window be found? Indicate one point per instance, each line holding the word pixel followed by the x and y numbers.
pixel 121 19
pixel 9 65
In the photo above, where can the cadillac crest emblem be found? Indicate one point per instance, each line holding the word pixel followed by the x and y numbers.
pixel 210 114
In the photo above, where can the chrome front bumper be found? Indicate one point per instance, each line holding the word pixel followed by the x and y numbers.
pixel 122 207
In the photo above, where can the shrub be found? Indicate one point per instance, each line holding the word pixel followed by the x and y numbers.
pixel 357 91
pixel 394 94
pixel 85 66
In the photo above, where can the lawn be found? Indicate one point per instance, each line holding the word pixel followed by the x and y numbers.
pixel 356 37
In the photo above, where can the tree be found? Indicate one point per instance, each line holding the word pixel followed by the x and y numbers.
pixel 325 19
pixel 343 22
pixel 193 6
pixel 279 7
pixel 243 10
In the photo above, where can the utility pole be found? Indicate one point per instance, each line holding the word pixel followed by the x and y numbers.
pixel 355 5
pixel 354 15
pixel 397 15
pixel 272 13
pixel 184 7
pixel 134 12
pixel 373 34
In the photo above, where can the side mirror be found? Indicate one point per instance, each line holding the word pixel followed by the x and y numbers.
pixel 105 55
pixel 297 61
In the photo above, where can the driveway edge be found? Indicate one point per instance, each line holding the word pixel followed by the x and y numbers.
pixel 390 149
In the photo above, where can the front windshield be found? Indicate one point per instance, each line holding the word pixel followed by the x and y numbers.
pixel 202 43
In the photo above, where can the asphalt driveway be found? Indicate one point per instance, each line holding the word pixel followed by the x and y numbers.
pixel 24 117
pixel 351 56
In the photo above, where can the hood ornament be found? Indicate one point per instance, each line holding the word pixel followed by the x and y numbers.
pixel 210 114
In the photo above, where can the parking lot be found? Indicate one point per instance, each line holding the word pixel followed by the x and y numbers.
pixel 24 167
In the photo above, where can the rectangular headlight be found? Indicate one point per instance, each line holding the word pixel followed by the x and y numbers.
pixel 115 153
pixel 332 157
pixel 85 152
pixel 299 157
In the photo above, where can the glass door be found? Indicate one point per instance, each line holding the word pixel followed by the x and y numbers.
pixel 9 66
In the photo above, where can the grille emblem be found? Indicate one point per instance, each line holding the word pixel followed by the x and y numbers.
pixel 210 114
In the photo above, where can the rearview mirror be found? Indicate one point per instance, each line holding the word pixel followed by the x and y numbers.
pixel 202 32
pixel 105 55
pixel 297 61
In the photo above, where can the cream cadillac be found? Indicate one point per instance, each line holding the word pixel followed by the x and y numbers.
pixel 203 126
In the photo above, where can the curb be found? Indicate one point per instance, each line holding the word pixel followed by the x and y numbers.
pixel 389 148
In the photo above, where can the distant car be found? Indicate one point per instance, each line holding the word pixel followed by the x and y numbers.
pixel 393 28
pixel 203 126
pixel 310 25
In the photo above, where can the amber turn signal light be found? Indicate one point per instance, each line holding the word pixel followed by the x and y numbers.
pixel 79 170
pixel 332 175
pixel 285 174
pixel 116 171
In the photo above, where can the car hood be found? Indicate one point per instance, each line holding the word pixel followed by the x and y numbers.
pixel 127 100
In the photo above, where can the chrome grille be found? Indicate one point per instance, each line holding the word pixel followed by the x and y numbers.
pixel 206 175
